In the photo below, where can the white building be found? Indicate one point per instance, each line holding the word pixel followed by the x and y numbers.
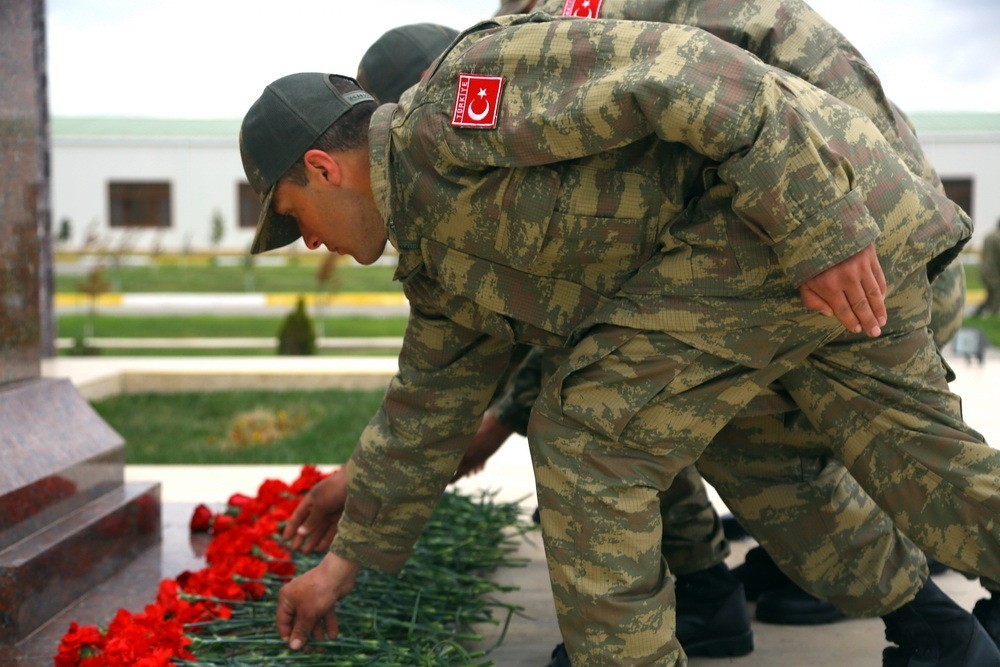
pixel 965 150
pixel 144 185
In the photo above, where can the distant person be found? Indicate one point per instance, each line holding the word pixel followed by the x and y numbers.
pixel 989 271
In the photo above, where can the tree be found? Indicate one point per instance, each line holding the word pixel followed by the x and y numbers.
pixel 218 231
pixel 94 284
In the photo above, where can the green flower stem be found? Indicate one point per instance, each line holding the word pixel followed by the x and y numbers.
pixel 419 618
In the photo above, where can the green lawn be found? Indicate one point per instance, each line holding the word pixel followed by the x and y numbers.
pixel 110 325
pixel 972 279
pixel 319 427
pixel 989 325
pixel 203 277
pixel 73 326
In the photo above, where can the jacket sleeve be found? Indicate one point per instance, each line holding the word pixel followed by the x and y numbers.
pixel 412 446
pixel 575 88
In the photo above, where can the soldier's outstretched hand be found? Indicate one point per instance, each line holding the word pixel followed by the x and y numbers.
pixel 853 291
pixel 306 604
pixel 314 521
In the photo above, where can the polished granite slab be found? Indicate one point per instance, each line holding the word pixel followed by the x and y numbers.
pixel 23 188
pixel 132 586
pixel 67 520
pixel 58 455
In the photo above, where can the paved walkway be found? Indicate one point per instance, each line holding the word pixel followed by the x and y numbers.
pixel 531 637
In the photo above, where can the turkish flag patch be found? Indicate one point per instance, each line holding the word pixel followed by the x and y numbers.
pixel 588 9
pixel 477 103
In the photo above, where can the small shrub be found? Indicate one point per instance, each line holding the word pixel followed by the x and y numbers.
pixel 262 426
pixel 297 335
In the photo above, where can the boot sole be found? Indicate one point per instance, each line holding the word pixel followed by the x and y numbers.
pixel 726 647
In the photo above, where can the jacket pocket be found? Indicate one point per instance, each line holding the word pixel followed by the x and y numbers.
pixel 528 200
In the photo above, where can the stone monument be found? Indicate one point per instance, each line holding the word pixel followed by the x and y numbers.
pixel 67 519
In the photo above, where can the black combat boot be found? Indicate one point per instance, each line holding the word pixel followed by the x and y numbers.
pixel 987 612
pixel 559 657
pixel 759 574
pixel 791 605
pixel 932 631
pixel 712 617
pixel 779 599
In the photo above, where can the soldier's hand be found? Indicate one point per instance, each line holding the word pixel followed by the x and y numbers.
pixel 306 604
pixel 314 521
pixel 485 443
pixel 853 291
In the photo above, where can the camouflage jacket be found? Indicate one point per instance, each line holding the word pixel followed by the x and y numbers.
pixel 789 35
pixel 640 174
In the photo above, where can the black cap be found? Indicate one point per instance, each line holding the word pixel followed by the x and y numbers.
pixel 288 118
pixel 397 59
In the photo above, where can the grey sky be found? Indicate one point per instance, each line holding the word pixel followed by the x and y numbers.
pixel 211 58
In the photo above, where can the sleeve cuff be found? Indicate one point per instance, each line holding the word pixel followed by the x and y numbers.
pixel 826 238
pixel 365 551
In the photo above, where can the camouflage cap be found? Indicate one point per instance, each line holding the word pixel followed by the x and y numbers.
pixel 288 118
pixel 515 7
pixel 397 59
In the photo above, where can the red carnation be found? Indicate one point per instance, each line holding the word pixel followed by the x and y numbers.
pixel 201 519
pixel 239 500
pixel 222 523
pixel 80 642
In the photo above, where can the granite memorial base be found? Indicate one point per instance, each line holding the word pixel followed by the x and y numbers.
pixel 67 519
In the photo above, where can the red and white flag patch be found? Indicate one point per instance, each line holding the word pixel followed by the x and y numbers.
pixel 588 9
pixel 477 103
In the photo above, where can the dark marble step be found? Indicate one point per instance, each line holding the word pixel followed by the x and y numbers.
pixel 48 570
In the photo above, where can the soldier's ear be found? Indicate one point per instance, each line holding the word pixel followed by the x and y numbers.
pixel 323 166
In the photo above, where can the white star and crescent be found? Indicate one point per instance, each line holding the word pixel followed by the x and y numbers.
pixel 479 116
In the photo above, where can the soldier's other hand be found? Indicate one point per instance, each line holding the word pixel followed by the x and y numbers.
pixel 314 521
pixel 853 291
pixel 306 604
pixel 491 434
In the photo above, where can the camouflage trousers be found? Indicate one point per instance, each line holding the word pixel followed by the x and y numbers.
pixel 777 476
pixel 804 476
pixel 692 538
pixel 628 410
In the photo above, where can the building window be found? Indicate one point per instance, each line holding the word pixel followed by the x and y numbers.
pixel 249 206
pixel 959 190
pixel 139 204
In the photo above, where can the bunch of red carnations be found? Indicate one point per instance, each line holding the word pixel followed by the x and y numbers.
pixel 224 615
pixel 243 553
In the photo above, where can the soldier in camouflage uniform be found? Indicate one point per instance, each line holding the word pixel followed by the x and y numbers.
pixel 790 35
pixel 710 603
pixel 989 271
pixel 683 218
pixel 712 618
